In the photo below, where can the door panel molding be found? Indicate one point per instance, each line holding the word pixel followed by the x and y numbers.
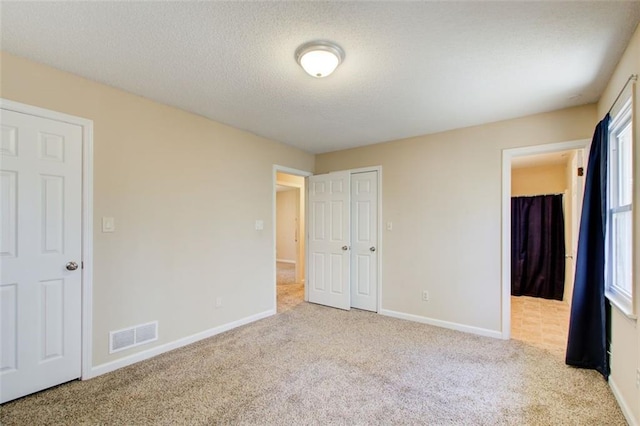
pixel 86 126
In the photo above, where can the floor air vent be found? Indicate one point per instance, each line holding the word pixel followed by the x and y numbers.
pixel 133 336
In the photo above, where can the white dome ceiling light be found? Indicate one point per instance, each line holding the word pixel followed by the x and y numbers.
pixel 319 58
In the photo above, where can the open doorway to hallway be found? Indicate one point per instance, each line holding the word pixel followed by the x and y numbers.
pixel 542 281
pixel 290 240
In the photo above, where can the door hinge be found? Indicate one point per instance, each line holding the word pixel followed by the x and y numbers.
pixel 580 171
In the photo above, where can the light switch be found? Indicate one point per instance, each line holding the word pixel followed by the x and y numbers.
pixel 389 226
pixel 259 225
pixel 108 224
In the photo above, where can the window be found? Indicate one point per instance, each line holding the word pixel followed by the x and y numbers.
pixel 618 260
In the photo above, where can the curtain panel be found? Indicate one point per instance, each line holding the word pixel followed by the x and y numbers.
pixel 587 344
pixel 537 246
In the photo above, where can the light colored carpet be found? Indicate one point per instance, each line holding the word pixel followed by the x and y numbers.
pixel 290 293
pixel 285 273
pixel 316 365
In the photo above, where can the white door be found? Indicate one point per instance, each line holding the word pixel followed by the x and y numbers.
pixel 329 233
pixel 40 294
pixel 364 240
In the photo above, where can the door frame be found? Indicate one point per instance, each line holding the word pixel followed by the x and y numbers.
pixel 290 171
pixel 87 219
pixel 507 156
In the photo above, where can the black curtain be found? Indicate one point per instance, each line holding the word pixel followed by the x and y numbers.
pixel 587 344
pixel 537 246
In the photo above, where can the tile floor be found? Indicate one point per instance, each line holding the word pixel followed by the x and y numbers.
pixel 542 323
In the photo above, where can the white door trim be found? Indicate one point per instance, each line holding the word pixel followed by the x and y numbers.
pixel 507 156
pixel 87 216
pixel 290 171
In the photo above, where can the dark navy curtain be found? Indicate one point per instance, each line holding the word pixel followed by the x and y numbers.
pixel 587 344
pixel 537 246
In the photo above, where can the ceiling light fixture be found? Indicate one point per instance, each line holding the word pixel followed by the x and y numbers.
pixel 319 58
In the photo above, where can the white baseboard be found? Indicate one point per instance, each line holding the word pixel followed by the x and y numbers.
pixel 626 410
pixel 286 261
pixel 157 350
pixel 444 324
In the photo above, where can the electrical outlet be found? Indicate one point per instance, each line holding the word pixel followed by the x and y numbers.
pixel 638 378
pixel 218 302
pixel 425 296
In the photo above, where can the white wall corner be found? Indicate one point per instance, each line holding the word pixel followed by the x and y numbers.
pixel 626 409
pixel 443 324
pixel 166 347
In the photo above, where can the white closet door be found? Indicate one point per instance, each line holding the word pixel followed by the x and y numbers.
pixel 329 239
pixel 364 246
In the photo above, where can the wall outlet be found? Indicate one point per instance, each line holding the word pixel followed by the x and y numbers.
pixel 425 296
pixel 638 378
pixel 218 302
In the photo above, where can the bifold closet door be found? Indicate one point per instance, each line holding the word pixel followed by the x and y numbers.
pixel 329 266
pixel 364 240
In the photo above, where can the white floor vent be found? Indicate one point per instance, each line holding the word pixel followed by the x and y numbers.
pixel 133 336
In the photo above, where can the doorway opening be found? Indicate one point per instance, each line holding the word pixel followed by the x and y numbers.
pixel 540 174
pixel 289 194
pixel 546 193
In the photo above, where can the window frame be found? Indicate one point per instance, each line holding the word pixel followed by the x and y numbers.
pixel 617 295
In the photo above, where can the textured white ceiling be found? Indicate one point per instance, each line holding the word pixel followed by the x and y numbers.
pixel 411 68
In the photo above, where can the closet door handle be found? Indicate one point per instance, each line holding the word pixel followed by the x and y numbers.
pixel 372 249
pixel 345 248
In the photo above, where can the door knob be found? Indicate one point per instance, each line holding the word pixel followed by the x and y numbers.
pixel 372 249
pixel 345 248
pixel 71 266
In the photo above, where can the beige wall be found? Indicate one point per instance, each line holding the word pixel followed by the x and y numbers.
pixel 182 239
pixel 625 344
pixel 538 180
pixel 443 194
pixel 287 205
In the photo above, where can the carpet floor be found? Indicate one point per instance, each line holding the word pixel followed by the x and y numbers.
pixel 289 293
pixel 316 365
